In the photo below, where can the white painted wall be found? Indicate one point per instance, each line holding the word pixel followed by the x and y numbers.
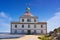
pixel 25 19
pixel 38 28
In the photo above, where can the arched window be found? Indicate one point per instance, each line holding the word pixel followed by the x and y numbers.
pixel 22 26
pixel 28 20
pixel 15 26
pixel 22 20
pixel 41 26
pixel 28 26
pixel 34 20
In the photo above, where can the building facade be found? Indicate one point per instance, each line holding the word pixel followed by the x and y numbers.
pixel 28 24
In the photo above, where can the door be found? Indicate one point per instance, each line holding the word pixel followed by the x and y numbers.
pixel 29 31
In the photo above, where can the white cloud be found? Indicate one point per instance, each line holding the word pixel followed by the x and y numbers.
pixel 4 21
pixel 54 22
pixel 2 14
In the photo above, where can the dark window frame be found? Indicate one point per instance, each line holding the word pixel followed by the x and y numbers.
pixel 28 20
pixel 22 26
pixel 15 26
pixel 22 20
pixel 28 26
pixel 41 26
pixel 34 20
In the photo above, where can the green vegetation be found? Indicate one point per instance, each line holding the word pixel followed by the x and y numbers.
pixel 52 35
pixel 43 37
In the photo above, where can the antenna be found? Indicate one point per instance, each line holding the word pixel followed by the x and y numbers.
pixel 28 6
pixel 27 3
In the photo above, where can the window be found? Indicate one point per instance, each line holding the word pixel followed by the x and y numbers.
pixel 34 20
pixel 22 20
pixel 28 20
pixel 22 31
pixel 34 26
pixel 22 26
pixel 34 31
pixel 15 31
pixel 28 26
pixel 41 26
pixel 41 31
pixel 15 26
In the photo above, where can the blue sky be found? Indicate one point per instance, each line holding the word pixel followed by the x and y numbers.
pixel 46 10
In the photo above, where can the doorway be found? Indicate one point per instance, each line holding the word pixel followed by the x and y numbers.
pixel 29 31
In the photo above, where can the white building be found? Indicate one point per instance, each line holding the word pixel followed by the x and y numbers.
pixel 28 24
